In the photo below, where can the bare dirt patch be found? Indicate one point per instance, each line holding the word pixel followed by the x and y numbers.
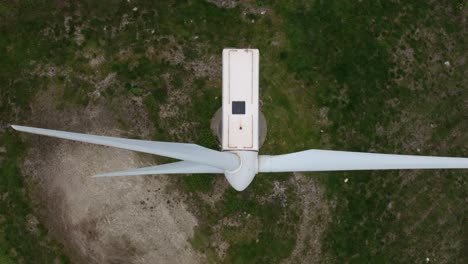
pixel 105 220
pixel 314 221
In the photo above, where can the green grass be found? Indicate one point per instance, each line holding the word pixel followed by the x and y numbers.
pixel 335 55
pixel 343 50
pixel 22 45
pixel 30 247
pixel 263 234
pixel 198 183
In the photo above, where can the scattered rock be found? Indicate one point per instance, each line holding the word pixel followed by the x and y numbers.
pixel 32 224
pixel 95 62
pixel 225 3
pixel 79 37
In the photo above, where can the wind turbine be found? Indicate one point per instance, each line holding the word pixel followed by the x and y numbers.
pixel 239 159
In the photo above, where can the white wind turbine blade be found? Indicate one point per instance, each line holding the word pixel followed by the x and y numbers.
pixel 182 151
pixel 327 160
pixel 180 167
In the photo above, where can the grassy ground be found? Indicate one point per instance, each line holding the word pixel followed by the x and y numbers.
pixel 361 76
pixel 382 79
pixel 22 238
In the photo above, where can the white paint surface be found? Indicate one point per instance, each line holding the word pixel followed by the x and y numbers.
pixel 240 83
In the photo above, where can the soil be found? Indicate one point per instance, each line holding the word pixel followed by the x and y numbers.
pixel 315 218
pixel 102 220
